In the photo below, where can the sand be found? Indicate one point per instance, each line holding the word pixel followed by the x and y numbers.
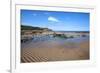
pixel 45 51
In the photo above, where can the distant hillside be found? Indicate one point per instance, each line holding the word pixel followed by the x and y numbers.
pixel 24 27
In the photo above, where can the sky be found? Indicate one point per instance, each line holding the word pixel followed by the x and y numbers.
pixel 57 21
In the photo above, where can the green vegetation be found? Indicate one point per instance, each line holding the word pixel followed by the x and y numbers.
pixel 71 37
pixel 60 35
pixel 24 27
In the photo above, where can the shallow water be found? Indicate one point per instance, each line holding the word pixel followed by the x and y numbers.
pixel 55 49
pixel 50 39
pixel 78 39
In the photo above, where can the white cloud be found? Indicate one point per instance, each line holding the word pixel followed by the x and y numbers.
pixel 52 19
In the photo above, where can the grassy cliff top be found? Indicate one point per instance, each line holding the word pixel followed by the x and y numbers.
pixel 25 27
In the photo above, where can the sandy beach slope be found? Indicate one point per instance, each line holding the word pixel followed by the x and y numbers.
pixel 45 51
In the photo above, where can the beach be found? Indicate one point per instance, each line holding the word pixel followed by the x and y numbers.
pixel 55 50
pixel 48 36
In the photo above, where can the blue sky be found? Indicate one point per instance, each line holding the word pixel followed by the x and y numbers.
pixel 58 21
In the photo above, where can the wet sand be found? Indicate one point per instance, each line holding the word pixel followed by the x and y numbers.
pixel 51 50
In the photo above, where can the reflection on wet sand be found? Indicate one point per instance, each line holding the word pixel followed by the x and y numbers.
pixel 46 48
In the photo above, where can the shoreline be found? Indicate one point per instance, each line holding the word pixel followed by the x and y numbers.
pixel 55 51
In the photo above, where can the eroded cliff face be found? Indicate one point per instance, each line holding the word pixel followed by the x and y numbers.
pixel 29 32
